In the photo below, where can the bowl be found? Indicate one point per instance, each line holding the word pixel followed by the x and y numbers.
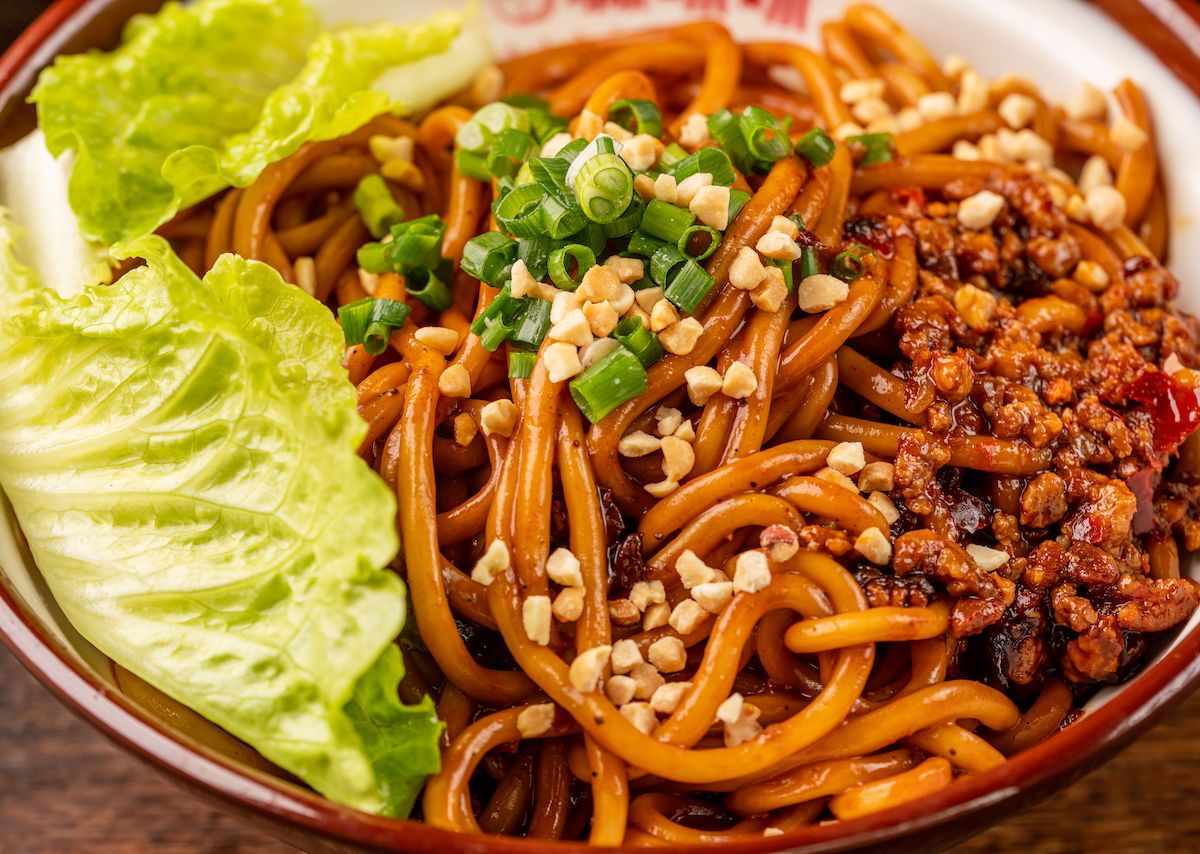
pixel 1064 42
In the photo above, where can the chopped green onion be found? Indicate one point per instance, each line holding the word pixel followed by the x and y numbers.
pixel 370 322
pixel 737 201
pixel 666 222
pixel 544 124
pixel 671 155
pixel 504 305
pixel 428 289
pixel 605 144
pixel 551 173
pixel 639 340
pixel 532 324
pixel 714 240
pixel 535 252
pixel 786 267
pixel 519 212
pixel 724 127
pixel 572 150
pixel 689 287
pixel 592 236
pixel 850 263
pixel 711 160
pixel 559 269
pixel 373 257
pixel 627 222
pixel 765 135
pixel 355 317
pixel 615 379
pixel 663 262
pixel 526 101
pixel 604 186
pixel 797 221
pixel 472 164
pixel 417 243
pixel 520 364
pixel 809 265
pixel 376 206
pixel 562 218
pixel 495 332
pixel 641 243
pixel 486 256
pixel 637 116
pixel 510 150
pixel 877 148
pixel 817 147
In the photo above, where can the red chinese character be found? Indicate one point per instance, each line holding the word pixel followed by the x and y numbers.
pixel 601 5
pixel 522 11
pixel 788 13
pixel 711 8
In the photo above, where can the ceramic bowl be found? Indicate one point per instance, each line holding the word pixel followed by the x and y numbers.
pixel 1057 43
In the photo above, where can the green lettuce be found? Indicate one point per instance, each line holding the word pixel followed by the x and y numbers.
pixel 205 96
pixel 181 456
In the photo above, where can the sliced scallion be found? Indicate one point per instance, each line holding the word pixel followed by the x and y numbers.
pixel 637 115
pixel 765 135
pixel 376 206
pixel 714 161
pixel 641 243
pixel 851 263
pixel 509 152
pixel 737 201
pixel 610 382
pixel 671 155
pixel 666 222
pixel 664 262
pixel 724 127
pixel 519 212
pixel 604 187
pixel 558 265
pixel 817 147
pixel 428 289
pixel 520 364
pixel 355 317
pixel 877 148
pixel 531 324
pixel 486 256
pixel 689 286
pixel 639 340
pixel 808 262
pixel 472 164
pixel 711 244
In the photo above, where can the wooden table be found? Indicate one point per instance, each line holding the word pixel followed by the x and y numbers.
pixel 64 789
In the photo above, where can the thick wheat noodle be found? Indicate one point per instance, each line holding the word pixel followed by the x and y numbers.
pixel 930 776
pixel 220 234
pixel 777 101
pixel 470 517
pixel 673 57
pixel 1164 557
pixel 959 746
pixel 633 85
pixel 764 337
pixel 551 791
pixel 875 625
pixel 1138 169
pixel 828 334
pixel 874 384
pixel 1040 721
pixel 927 171
pixel 537 434
pixel 940 134
pixel 722 69
pixel 842 48
pixel 506 808
pixel 1096 248
pixel 650 812
pixel 713 524
pixel 818 388
pixel 828 228
pixel 901 285
pixel 1155 229
pixel 822 82
pixel 881 30
pixel 983 453
pixel 306 238
pixel 1089 137
pixel 417 506
pixel 818 780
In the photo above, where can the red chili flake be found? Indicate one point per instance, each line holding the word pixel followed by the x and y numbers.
pixel 870 231
pixel 1174 409
pixel 1088 527
pixel 1142 486
pixel 910 197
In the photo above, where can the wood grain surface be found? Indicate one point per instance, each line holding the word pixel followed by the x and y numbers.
pixel 65 789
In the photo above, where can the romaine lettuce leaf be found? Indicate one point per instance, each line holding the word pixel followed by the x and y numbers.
pixel 205 96
pixel 181 457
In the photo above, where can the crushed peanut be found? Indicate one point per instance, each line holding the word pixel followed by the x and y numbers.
pixel 1087 103
pixel 562 361
pixel 987 559
pixel 563 568
pixel 979 211
pixel 640 716
pixel 771 292
pixel 785 226
pixel 640 151
pixel 777 245
pixel 522 283
pixel 597 350
pixel 666 189
pixel 573 329
pixel 869 109
pixel 643 185
pixel 438 338
pixel 678 458
pixel 1094 173
pixel 535 618
pixel 646 680
pixel 387 148
pixel 975 306
pixel 1017 110
pixel 878 476
pixel 662 489
pixel 623 612
pixel 751 573
pixel 568 604
pixel 846 130
pixel 647 298
pixel 694 131
pixel 587 668
pixel 692 570
pixel 836 478
pixel 667 420
pixel 821 292
pixel 619 689
pixel 625 656
pixel 656 616
pixel 686 190
pixel 589 125
pixel 846 457
pixel 555 144
pixel 739 382
pixel 599 283
pixel 564 303
pixel 1105 207
pixel 680 339
pixel 493 562
pixel 853 91
pixel 936 105
pixel 643 594
pixel 663 315
pixel 533 721
pixel 745 728
pixel 973 93
pixel 639 443
pixel 685 431
pixel 730 709
pixel 711 206
pixel 1126 135
pixel 667 697
pixel 874 545
pixel 964 149
pixel 499 417
pixel 628 270
pixel 1091 275
pixel 884 504
pixel 668 654
pixel 465 429
pixel 455 382
pixel 687 616
pixel 779 543
pixel 601 317
pixel 702 383
pixel 747 270
pixel 713 596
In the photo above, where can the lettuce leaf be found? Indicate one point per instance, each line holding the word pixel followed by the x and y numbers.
pixel 205 96
pixel 181 457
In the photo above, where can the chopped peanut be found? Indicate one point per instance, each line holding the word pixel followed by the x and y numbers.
pixel 785 226
pixel 656 616
pixel 628 270
pixel 1091 275
pixel 494 561
pixel 678 458
pixel 596 351
pixel 646 679
pixel 666 698
pixel 752 573
pixel 563 568
pixel 438 338
pixel 713 596
pixel 587 668
pixel 973 93
pixel 601 317
pixel 647 298
pixel 623 612
pixel 625 656
pixel 455 382
pixel 562 361
pixel 640 716
pixel 745 728
pixel 954 65
pixel 681 338
pixel 522 283
pixel 837 478
pixel 663 315
pixel 666 189
pixel 639 443
pixel 1088 103
pixel 778 246
pixel 965 150
pixel 667 654
pixel 564 303
pixel 846 457
pixel 869 109
pixel 711 206
pixel 779 543
pixel 589 125
pixel 1126 135
pixel 643 185
pixel 618 133
pixel 975 306
pixel 662 489
pixel 568 604
pixel 535 618
pixel 387 148
pixel 692 570
pixel 739 382
pixel 1095 173
pixel 305 270
pixel 846 130
pixel 702 383
pixel 1017 110
pixel 573 329
pixel 936 105
pixel 730 709
pixel 465 429
pixel 687 616
pixel 1032 150
pixel 686 190
pixel 873 544
pixel 599 283
pixel 853 91
pixel 535 720
pixel 624 301
pixel 887 508
pixel 1105 207
pixel 747 270
pixel 555 144
pixel 694 131
pixel 980 210
pixel 685 431
pixel 498 417
pixel 643 594
pixel 821 292
pixel 641 151
pixel 987 559
pixel 405 173
pixel 667 420
pixel 907 118
pixel 878 476
pixel 619 689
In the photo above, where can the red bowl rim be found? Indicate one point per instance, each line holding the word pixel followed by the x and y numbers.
pixel 1087 742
